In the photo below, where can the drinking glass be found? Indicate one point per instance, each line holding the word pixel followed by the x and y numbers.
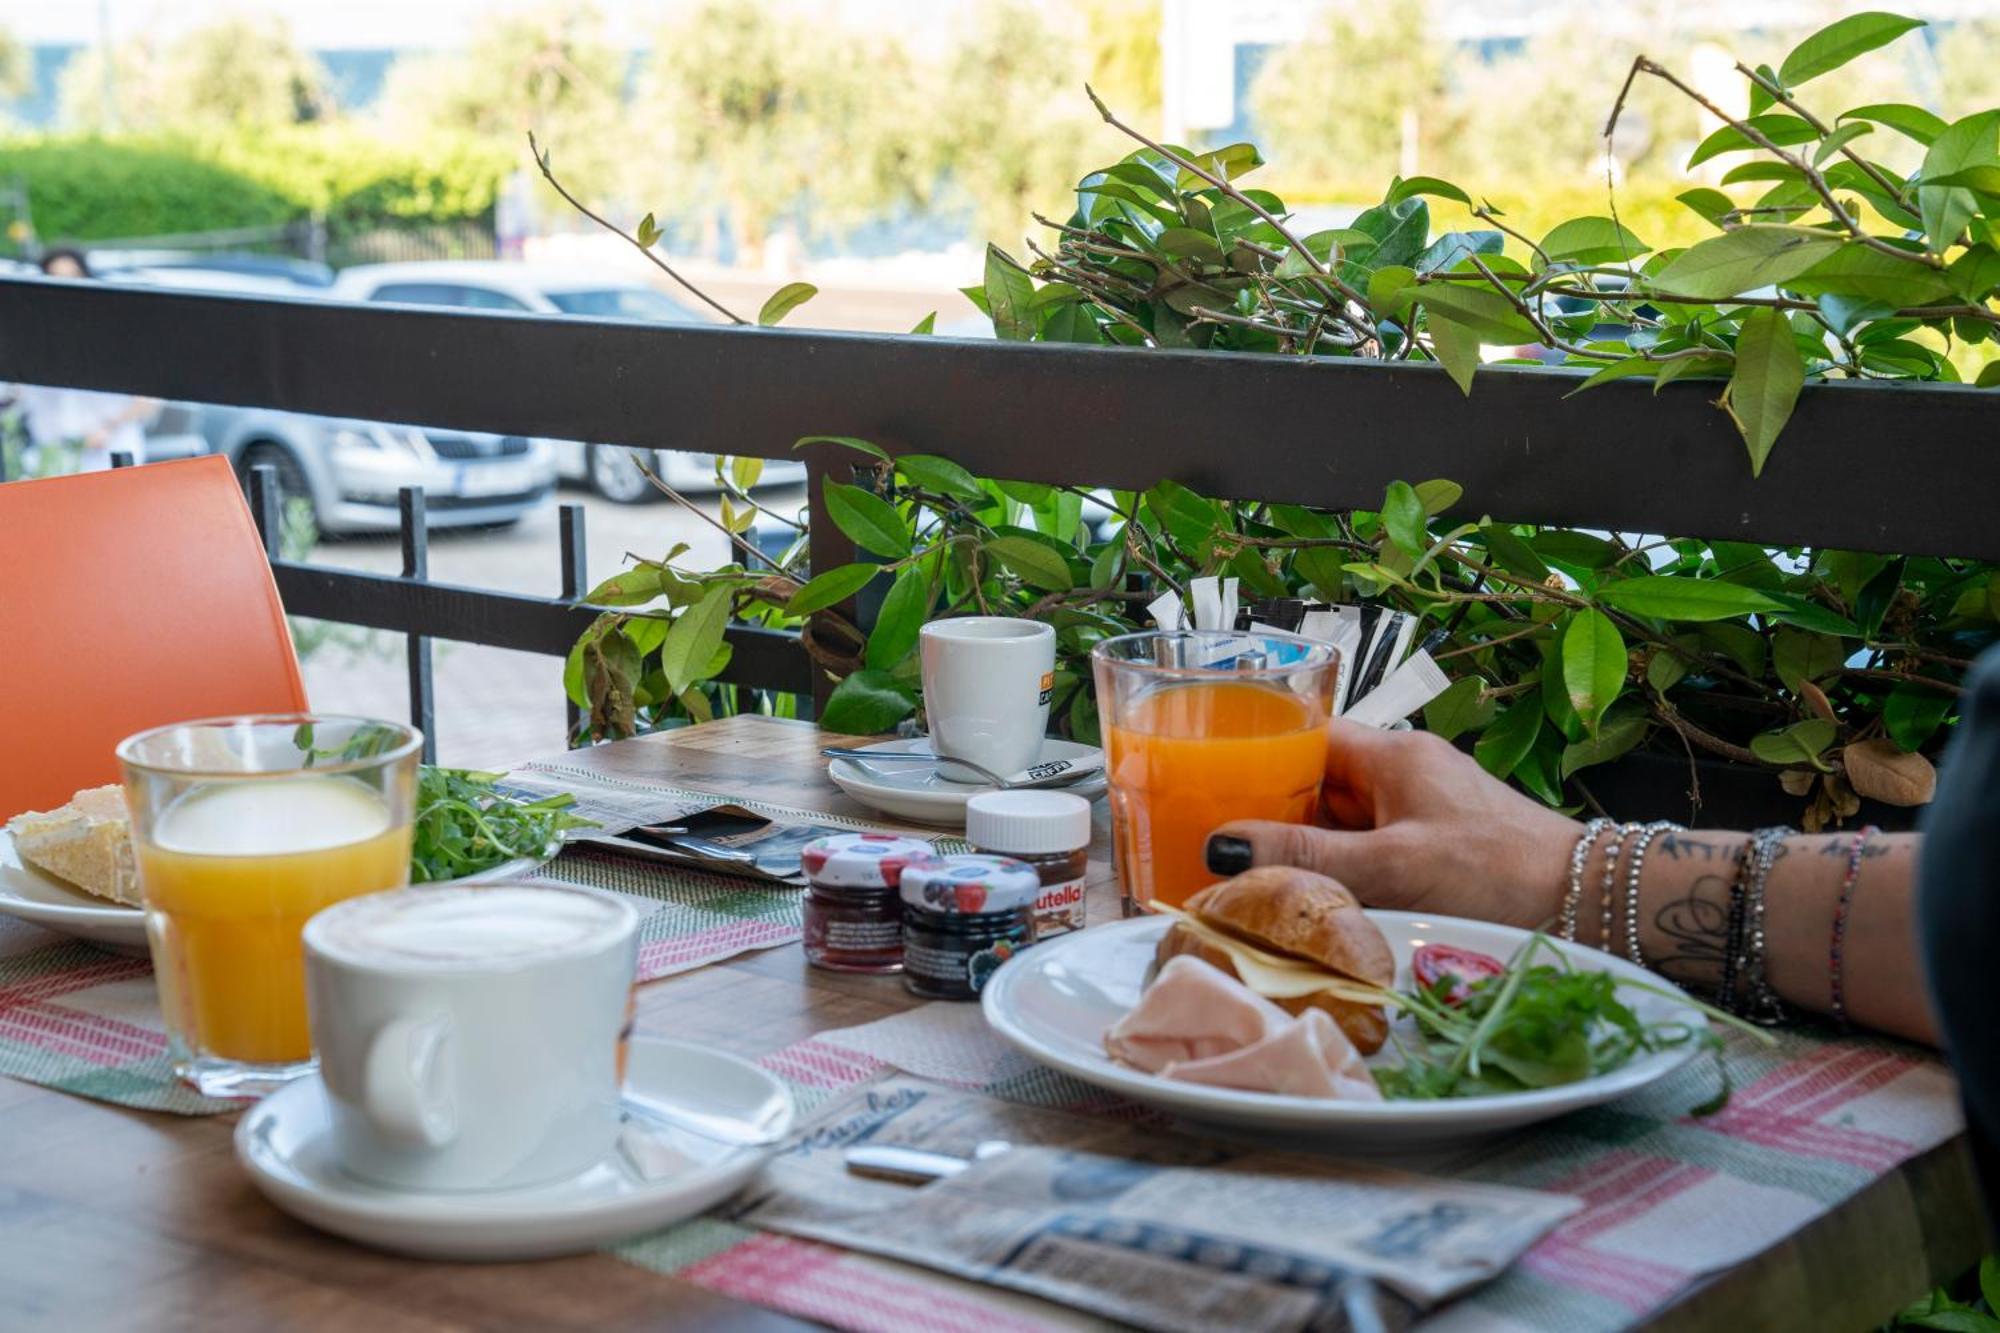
pixel 244 827
pixel 1202 727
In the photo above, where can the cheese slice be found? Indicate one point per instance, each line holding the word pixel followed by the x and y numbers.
pixel 1274 976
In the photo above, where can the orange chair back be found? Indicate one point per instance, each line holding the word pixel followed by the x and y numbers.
pixel 129 599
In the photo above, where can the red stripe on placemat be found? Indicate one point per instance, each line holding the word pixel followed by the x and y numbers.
pixel 96 972
pixel 1880 1076
pixel 1807 1078
pixel 1807 1138
pixel 819 1065
pixel 806 1278
pixel 657 957
pixel 1633 1283
pixel 80 1035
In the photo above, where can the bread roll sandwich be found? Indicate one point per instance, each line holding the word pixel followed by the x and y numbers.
pixel 1296 938
pixel 87 843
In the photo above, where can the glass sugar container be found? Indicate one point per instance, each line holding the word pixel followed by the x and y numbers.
pixel 853 918
pixel 963 916
pixel 1048 830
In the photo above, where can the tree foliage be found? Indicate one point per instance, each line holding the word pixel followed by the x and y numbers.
pixel 236 73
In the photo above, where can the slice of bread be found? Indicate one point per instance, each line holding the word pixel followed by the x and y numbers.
pixel 87 843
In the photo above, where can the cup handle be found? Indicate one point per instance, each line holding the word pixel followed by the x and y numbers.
pixel 406 1092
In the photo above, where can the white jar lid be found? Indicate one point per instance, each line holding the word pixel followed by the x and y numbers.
pixel 861 860
pixel 1027 823
pixel 970 884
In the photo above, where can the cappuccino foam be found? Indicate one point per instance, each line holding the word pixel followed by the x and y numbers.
pixel 504 925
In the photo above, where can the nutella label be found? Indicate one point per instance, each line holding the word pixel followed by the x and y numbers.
pixel 1059 909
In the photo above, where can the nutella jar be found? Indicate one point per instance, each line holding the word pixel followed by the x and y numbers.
pixel 853 918
pixel 1049 831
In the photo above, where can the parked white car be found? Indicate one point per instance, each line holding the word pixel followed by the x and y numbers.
pixel 612 471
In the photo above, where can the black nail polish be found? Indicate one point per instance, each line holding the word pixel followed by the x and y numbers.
pixel 1227 854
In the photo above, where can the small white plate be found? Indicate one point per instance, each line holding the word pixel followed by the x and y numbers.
pixel 284 1143
pixel 916 792
pixel 506 870
pixel 1054 1002
pixel 33 895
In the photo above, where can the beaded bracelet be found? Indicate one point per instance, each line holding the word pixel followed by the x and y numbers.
pixel 1760 1002
pixel 1605 909
pixel 1640 842
pixel 1835 972
pixel 1573 894
pixel 1732 938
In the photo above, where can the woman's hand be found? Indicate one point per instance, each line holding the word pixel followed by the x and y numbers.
pixel 1418 826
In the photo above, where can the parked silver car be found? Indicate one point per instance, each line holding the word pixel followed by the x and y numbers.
pixel 612 471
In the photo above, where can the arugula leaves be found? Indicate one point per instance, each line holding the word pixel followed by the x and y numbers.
pixel 465 824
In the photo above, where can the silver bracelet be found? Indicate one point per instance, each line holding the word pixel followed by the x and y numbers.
pixel 1760 1002
pixel 1640 842
pixel 1605 912
pixel 1573 895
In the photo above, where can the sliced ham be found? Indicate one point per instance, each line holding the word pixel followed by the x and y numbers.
pixel 1198 1024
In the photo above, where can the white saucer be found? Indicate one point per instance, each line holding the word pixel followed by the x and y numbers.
pixel 283 1142
pixel 33 895
pixel 1054 1001
pixel 916 792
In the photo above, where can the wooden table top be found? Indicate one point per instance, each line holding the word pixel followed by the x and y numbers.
pixel 119 1219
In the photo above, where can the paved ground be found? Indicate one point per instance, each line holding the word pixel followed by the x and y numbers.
pixel 493 706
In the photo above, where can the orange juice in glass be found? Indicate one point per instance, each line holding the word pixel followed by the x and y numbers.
pixel 244 828
pixel 1202 727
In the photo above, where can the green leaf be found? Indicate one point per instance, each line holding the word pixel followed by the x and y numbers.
pixel 1989 1282
pixel 1578 550
pixel 1512 553
pixel 1621 731
pixel 1593 665
pixel 873 450
pixel 1666 669
pixel 1975 273
pixel 1072 323
pixel 1438 495
pixel 745 472
pixel 928 324
pixel 1625 368
pixel 870 521
pixel 1456 347
pixel 941 475
pixel 1946 209
pixel 1841 41
pixel 1008 292
pixel 1035 564
pixel 648 232
pixel 1665 597
pixel 1592 240
pixel 1765 386
pixel 1403 518
pixel 1910 121
pixel 1800 743
pixel 1481 309
pixel 1710 203
pixel 1461 708
pixel 1798 655
pixel 1736 261
pixel 1782 130
pixel 1840 138
pixel 1741 644
pixel 1416 185
pixel 1505 743
pixel 696 635
pixel 1399 231
pixel 904 609
pixel 1859 270
pixel 1325 568
pixel 867 702
pixel 1189 519
pixel 1761 97
pixel 1912 714
pixel 1806 614
pixel 1389 289
pixel 836 585
pixel 785 300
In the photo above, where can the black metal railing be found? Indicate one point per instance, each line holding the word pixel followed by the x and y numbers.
pixel 1866 466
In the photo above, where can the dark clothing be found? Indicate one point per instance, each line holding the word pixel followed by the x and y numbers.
pixel 1958 906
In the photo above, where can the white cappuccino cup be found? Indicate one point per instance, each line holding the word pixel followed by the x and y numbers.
pixel 987 682
pixel 472 1038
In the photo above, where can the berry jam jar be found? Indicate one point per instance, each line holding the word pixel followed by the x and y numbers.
pixel 963 916
pixel 853 919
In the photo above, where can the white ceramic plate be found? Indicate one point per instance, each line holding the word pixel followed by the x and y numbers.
pixel 506 870
pixel 916 792
pixel 283 1142
pixel 1054 1002
pixel 32 895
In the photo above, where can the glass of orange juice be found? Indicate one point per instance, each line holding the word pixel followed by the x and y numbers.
pixel 1202 727
pixel 245 827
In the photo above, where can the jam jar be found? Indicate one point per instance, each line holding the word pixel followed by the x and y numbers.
pixel 963 916
pixel 853 919
pixel 1050 831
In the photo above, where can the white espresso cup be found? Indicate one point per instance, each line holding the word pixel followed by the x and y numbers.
pixel 987 681
pixel 472 1038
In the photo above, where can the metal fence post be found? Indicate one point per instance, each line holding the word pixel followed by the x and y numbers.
pixel 415 532
pixel 575 556
pixel 122 458
pixel 264 509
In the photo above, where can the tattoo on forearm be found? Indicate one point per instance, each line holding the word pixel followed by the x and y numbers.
pixel 1696 927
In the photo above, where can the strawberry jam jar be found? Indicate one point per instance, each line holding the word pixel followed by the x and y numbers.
pixel 853 919
pixel 963 916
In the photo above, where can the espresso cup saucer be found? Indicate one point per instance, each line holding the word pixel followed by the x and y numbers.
pixel 654 1176
pixel 919 793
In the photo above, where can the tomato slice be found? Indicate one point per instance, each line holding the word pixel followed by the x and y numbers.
pixel 1457 968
